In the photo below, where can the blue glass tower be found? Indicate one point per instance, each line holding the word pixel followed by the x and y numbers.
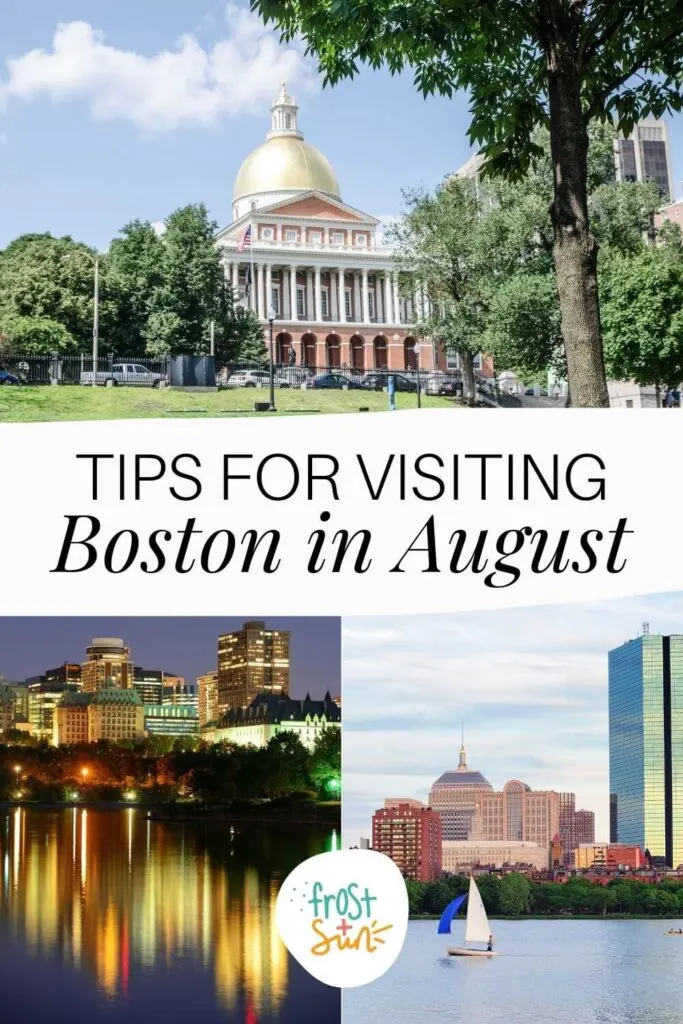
pixel 646 746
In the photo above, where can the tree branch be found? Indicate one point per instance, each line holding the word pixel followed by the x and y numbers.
pixel 621 79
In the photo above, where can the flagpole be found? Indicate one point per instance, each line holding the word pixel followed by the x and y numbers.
pixel 251 256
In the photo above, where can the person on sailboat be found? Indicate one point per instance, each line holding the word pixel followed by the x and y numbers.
pixel 489 948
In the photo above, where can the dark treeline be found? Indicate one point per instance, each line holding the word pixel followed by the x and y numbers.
pixel 161 770
pixel 515 895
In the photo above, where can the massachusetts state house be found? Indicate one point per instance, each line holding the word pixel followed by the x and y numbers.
pixel 296 249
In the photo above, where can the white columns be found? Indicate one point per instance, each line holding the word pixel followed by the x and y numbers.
pixel 394 297
pixel 269 286
pixel 366 296
pixel 357 309
pixel 310 311
pixel 259 292
pixel 318 313
pixel 236 279
pixel 342 295
pixel 292 293
pixel 389 317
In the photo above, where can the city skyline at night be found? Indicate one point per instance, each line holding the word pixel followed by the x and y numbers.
pixel 184 646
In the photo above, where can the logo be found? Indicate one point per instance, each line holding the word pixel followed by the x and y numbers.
pixel 343 916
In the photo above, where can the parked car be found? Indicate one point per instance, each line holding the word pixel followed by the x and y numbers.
pixel 248 379
pixel 8 378
pixel 450 386
pixel 130 374
pixel 292 376
pixel 334 380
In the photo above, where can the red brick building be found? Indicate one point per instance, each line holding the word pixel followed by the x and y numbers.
pixel 295 248
pixel 411 835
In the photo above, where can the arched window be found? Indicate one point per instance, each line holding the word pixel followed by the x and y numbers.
pixel 288 120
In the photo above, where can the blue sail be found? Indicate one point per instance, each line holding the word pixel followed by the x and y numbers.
pixel 449 913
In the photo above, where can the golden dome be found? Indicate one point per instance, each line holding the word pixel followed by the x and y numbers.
pixel 285 163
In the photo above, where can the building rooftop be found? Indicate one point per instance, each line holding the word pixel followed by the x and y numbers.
pixel 269 709
pixel 463 776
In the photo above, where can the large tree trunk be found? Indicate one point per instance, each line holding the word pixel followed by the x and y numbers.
pixel 469 390
pixel 574 248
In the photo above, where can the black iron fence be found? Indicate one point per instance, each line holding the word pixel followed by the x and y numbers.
pixel 83 369
pixel 144 371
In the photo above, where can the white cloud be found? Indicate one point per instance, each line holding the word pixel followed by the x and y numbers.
pixel 159 226
pixel 530 684
pixel 188 86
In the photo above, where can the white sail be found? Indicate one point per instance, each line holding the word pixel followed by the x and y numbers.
pixel 477 927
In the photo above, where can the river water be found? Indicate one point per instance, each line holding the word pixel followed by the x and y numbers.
pixel 110 916
pixel 583 972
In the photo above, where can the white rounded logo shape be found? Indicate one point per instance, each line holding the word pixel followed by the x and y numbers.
pixel 343 916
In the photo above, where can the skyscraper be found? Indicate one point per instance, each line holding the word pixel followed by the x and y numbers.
pixel 645 155
pixel 207 698
pixel 251 661
pixel 646 745
pixel 107 664
pixel 454 795
pixel 584 827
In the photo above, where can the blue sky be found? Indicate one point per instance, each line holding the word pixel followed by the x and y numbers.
pixel 136 108
pixel 530 684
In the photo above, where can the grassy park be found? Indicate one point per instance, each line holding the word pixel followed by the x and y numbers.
pixel 42 404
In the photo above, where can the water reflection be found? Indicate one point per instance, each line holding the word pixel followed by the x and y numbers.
pixel 117 894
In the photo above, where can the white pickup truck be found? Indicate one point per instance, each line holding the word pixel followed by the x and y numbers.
pixel 124 373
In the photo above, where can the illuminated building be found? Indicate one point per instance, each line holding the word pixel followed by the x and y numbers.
pixel 20 691
pixel 115 715
pixel 412 837
pixel 268 715
pixel 68 674
pixel 646 746
pixel 7 708
pixel 149 683
pixel 171 720
pixel 42 701
pixel 108 664
pixel 251 661
pixel 207 698
pixel 71 719
pixel 178 693
pixel 608 857
pixel 458 857
pixel 106 714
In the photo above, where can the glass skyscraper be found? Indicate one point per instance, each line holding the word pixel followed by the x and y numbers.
pixel 646 746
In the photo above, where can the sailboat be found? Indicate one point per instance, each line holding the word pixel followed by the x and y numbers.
pixel 477 928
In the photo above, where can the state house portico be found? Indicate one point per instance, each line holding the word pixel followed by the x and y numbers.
pixel 294 247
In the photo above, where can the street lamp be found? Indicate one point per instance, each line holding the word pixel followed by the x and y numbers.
pixel 17 770
pixel 416 350
pixel 271 321
pixel 84 773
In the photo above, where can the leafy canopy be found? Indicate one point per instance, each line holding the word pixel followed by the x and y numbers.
pixel 626 55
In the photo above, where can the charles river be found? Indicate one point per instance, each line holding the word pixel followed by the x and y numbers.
pixel 112 916
pixel 583 972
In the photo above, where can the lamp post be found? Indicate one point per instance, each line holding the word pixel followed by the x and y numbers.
pixel 271 321
pixel 416 350
pixel 96 317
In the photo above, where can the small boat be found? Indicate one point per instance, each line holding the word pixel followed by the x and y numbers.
pixel 675 931
pixel 477 928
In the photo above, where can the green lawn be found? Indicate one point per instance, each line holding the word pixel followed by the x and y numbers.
pixel 36 404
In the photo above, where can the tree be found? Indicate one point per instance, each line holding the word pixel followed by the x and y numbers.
pixel 415 894
pixel 643 316
pixel 523 329
pixel 436 245
pixel 135 261
pixel 556 63
pixel 514 897
pixel 52 280
pixel 34 335
pixel 325 770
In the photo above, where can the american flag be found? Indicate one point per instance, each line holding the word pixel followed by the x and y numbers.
pixel 245 240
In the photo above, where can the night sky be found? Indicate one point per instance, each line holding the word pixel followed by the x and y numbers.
pixel 185 646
